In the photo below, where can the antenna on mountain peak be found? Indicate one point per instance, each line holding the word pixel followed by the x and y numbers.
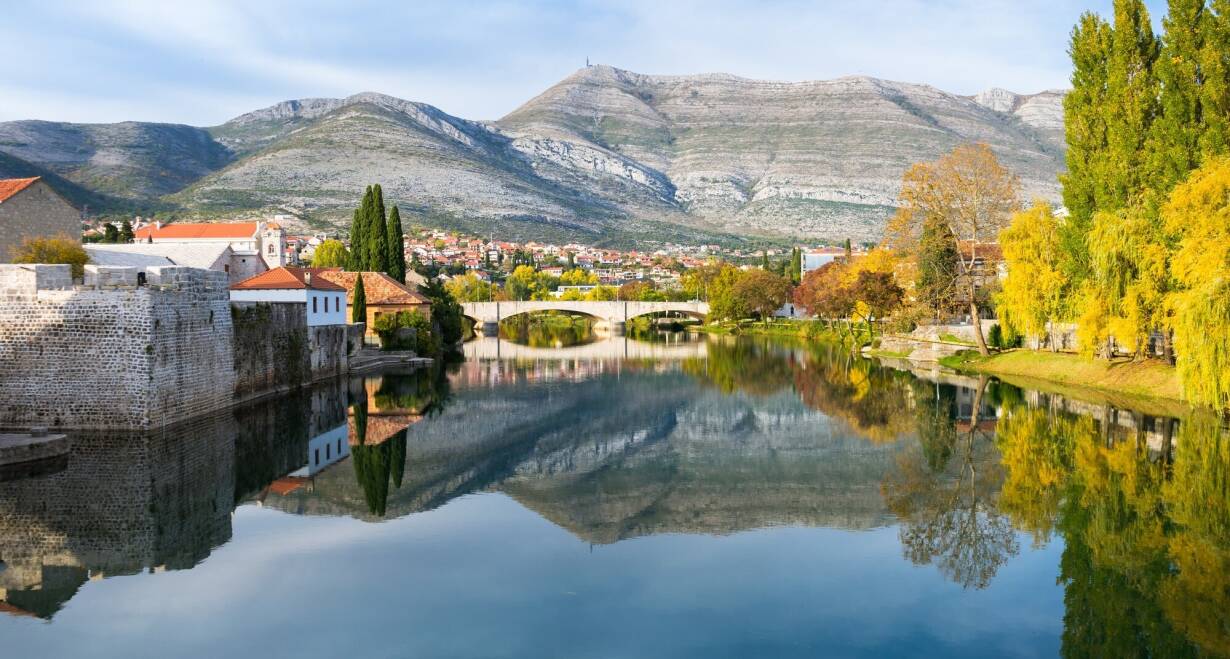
pixel 587 62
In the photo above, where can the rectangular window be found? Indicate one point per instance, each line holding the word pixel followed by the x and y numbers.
pixel 317 456
pixel 313 305
pixel 328 449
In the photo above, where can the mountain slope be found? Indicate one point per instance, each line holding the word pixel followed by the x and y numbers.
pixel 130 159
pixel 605 154
pixel 794 158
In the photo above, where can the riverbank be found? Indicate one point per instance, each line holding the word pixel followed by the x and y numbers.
pixel 1124 382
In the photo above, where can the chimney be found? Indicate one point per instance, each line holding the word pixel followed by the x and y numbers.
pixel 307 277
pixel 158 224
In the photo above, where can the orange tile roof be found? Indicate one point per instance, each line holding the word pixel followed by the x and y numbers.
pixel 377 286
pixel 202 230
pixel 287 278
pixel 11 186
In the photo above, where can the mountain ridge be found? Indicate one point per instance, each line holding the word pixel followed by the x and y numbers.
pixel 604 154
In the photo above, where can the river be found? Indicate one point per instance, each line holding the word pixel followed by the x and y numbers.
pixel 684 497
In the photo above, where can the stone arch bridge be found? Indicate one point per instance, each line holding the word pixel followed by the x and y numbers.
pixel 487 315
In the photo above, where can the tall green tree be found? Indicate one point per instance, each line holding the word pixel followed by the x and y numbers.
pixel 377 234
pixel 1174 141
pixel 1131 103
pixel 936 284
pixel 358 308
pixel 357 261
pixel 1084 110
pixel 396 246
pixel 126 234
pixel 110 233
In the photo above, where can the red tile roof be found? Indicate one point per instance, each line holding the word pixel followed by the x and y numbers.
pixel 377 286
pixel 11 186
pixel 202 230
pixel 287 278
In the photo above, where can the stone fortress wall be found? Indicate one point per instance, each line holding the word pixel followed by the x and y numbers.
pixel 119 353
pixel 112 353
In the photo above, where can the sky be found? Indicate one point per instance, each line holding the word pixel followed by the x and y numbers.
pixel 202 63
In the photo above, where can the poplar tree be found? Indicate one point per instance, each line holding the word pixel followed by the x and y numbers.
pixel 1176 134
pixel 396 247
pixel 1215 87
pixel 1131 103
pixel 1084 110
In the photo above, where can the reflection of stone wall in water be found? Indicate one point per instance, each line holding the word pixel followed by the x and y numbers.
pixel 111 354
pixel 274 435
pixel 125 503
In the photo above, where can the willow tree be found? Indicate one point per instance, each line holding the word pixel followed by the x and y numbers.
pixel 974 195
pixel 1035 292
pixel 1198 217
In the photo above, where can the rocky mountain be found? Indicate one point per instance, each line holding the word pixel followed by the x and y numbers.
pixel 130 160
pixel 604 155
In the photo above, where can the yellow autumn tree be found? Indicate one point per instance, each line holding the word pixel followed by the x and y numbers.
pixel 1198 216
pixel 1035 294
pixel 1129 255
pixel 971 193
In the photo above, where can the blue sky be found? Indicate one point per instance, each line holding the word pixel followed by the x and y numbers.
pixel 204 62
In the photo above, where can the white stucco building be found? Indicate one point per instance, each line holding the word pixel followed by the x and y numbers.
pixel 324 300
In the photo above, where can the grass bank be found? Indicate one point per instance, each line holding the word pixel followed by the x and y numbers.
pixel 1122 382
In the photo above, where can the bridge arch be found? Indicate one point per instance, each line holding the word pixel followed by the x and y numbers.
pixel 615 312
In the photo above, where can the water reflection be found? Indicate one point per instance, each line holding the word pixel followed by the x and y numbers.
pixel 548 329
pixel 729 435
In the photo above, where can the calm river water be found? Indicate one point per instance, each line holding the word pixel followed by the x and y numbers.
pixel 621 498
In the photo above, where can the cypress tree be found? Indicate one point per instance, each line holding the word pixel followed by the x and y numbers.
pixel 764 260
pixel 358 238
pixel 377 245
pixel 126 234
pixel 358 308
pixel 396 246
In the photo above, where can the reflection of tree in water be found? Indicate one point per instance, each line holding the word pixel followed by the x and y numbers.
pixel 945 496
pixel 376 465
pixel 548 330
pixel 422 391
pixel 754 367
pixel 876 402
pixel 1146 562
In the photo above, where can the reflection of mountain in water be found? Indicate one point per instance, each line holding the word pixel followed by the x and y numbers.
pixel 612 457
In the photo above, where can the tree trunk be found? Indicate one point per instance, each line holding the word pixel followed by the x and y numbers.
pixel 1168 346
pixel 974 317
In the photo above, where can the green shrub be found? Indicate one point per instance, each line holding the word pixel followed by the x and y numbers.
pixel 423 341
